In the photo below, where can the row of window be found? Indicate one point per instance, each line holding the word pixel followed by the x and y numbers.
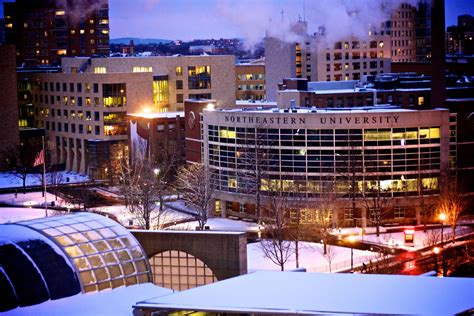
pixel 109 130
pixel 357 45
pixel 355 55
pixel 63 87
pixel 340 185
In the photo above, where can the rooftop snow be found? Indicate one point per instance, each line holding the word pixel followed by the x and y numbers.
pixel 115 302
pixel 310 293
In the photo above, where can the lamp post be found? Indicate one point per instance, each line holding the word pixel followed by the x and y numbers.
pixel 436 252
pixel 442 217
pixel 352 239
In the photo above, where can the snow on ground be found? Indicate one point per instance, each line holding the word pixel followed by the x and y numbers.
pixel 30 199
pixel 126 218
pixel 310 257
pixel 13 180
pixel 16 214
pixel 219 224
pixel 115 302
pixel 422 239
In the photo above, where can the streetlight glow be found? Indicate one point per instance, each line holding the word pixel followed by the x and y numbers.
pixel 156 171
pixel 442 216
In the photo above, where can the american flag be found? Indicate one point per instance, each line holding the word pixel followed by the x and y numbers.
pixel 39 159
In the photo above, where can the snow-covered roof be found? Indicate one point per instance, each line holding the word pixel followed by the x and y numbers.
pixel 153 115
pixel 117 302
pixel 315 293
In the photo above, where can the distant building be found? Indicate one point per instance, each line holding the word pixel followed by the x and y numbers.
pixel 9 138
pixel 402 30
pixel 349 59
pixel 45 31
pixel 250 80
pixel 423 31
pixel 460 38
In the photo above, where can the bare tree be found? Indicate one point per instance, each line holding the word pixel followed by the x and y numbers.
pixel 139 188
pixel 379 205
pixel 452 202
pixel 253 164
pixel 277 246
pixel 433 237
pixel 197 189
pixel 329 253
pixel 165 169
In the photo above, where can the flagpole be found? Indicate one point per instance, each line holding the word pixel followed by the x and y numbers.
pixel 44 181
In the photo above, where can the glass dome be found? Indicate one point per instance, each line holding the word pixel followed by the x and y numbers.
pixel 78 252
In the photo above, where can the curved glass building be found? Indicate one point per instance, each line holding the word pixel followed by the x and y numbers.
pixel 60 256
pixel 311 154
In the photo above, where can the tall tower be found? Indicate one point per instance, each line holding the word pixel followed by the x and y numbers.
pixel 45 31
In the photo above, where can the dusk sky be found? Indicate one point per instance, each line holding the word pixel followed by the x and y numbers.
pixel 191 19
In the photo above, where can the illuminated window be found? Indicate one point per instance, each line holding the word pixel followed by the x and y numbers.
pixel 73 32
pixel 227 133
pixel 232 183
pixel 105 32
pixel 421 101
pixel 82 31
pixel 61 52
pixel 178 270
pixel 179 71
pixel 103 21
pixel 60 13
pixel 161 93
pixel 142 69
pixel 100 70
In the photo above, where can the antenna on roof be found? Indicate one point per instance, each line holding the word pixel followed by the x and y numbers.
pixel 304 11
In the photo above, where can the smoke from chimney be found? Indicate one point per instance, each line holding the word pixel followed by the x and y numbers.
pixel 340 19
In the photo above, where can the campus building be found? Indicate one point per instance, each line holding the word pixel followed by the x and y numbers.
pixel 311 154
pixel 250 80
pixel 84 109
pixel 46 31
pixel 173 79
pixel 349 59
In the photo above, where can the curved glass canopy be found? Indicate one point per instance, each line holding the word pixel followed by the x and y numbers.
pixel 64 255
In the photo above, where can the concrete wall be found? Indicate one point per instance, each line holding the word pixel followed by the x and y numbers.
pixel 225 253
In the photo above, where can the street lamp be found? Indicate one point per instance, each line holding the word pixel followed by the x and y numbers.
pixel 156 171
pixel 436 251
pixel 442 217
pixel 352 239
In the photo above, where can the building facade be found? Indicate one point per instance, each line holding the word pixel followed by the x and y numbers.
pixel 84 109
pixel 174 78
pixel 85 116
pixel 402 31
pixel 346 155
pixel 46 31
pixel 9 139
pixel 349 59
pixel 250 80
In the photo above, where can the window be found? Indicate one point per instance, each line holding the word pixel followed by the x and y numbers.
pixel 179 84
pixel 114 94
pixel 71 87
pixel 199 77
pixel 100 70
pixel 142 69
pixel 179 98
pixel 179 71
pixel 96 88
pixel 97 130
